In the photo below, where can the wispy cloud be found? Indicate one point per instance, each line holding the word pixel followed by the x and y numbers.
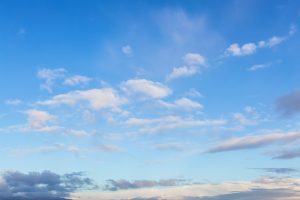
pixel 38 120
pixel 183 71
pixel 171 122
pixel 114 185
pixel 182 103
pixel 45 149
pixel 254 141
pixel 192 61
pixel 279 170
pixel 96 98
pixel 287 154
pixel 77 80
pixel 270 188
pixel 13 102
pixel 259 66
pixel 109 148
pixel 289 104
pixel 50 75
pixel 146 88
pixel 168 146
pixel 127 50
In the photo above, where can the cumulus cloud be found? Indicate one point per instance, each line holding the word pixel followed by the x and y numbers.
pixel 250 48
pixel 146 87
pixel 187 104
pixel 38 120
pixel 42 185
pixel 183 71
pixel 114 185
pixel 50 75
pixel 194 59
pixel 254 141
pixel 127 50
pixel 236 50
pixel 77 80
pixel 289 104
pixel 96 98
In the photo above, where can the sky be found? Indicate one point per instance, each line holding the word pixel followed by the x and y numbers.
pixel 160 99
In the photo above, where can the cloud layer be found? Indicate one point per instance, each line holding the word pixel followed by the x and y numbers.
pixel 42 185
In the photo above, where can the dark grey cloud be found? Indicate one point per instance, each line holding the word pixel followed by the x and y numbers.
pixel 288 154
pixel 289 104
pixel 42 185
pixel 255 194
pixel 114 185
pixel 279 170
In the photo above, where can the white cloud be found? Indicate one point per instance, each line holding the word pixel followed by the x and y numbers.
pixel 271 188
pixel 193 93
pixel 236 50
pixel 96 98
pixel 50 75
pixel 188 104
pixel 183 71
pixel 127 50
pixel 273 41
pixel 249 109
pixel 259 66
pixel 182 103
pixel 293 30
pixel 13 102
pixel 243 120
pixel 46 149
pixel 37 119
pixel 171 122
pixel 146 87
pixel 250 48
pixel 194 59
pixel 76 80
pixel 139 121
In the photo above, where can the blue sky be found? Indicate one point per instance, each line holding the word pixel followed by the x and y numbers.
pixel 150 99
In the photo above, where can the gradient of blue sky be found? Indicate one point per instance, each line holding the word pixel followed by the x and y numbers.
pixel 150 90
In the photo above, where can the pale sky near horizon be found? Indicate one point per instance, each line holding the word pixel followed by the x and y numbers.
pixel 150 99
